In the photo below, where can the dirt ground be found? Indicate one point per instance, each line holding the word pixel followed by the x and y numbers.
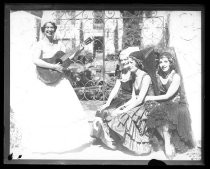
pixel 97 151
pixel 194 154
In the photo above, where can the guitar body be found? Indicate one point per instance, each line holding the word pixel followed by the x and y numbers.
pixel 50 76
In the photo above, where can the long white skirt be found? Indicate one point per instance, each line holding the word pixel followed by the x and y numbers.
pixel 51 118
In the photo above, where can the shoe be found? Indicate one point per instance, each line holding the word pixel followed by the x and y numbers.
pixel 106 139
pixel 109 144
pixel 145 150
pixel 170 152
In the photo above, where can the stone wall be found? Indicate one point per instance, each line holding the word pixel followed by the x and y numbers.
pixel 185 37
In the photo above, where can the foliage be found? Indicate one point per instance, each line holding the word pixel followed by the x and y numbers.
pixel 85 57
pixel 131 28
pixel 111 57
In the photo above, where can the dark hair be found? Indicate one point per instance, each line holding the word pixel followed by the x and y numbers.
pixel 170 59
pixel 168 55
pixel 43 27
pixel 139 63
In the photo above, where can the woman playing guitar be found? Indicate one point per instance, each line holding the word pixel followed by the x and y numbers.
pixel 58 122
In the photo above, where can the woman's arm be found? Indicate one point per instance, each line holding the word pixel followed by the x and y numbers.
pixel 112 94
pixel 133 97
pixel 136 100
pixel 114 91
pixel 143 91
pixel 171 90
pixel 39 62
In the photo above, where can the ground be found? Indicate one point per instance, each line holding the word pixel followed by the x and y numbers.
pixel 96 151
pixel 194 154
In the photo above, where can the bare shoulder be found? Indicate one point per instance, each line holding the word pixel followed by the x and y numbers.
pixel 176 77
pixel 118 81
pixel 146 76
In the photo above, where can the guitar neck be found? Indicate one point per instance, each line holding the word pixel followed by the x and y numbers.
pixel 67 55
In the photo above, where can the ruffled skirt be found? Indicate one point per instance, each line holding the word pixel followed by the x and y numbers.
pixel 126 131
pixel 177 116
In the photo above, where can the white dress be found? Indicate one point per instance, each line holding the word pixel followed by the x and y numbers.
pixel 51 117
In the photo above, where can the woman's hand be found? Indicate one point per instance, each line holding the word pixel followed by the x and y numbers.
pixel 122 107
pixel 58 67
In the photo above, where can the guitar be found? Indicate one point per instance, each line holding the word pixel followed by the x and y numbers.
pixel 51 76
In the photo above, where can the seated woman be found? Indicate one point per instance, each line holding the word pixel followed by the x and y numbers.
pixel 120 123
pixel 169 113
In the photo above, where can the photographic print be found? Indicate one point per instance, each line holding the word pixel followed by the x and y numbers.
pixel 104 85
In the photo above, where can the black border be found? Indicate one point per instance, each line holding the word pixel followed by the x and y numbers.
pixel 90 6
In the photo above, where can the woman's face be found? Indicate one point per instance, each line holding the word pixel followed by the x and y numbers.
pixel 49 30
pixel 164 64
pixel 132 64
pixel 124 60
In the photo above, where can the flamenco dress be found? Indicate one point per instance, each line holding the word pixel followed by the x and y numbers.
pixel 126 131
pixel 173 112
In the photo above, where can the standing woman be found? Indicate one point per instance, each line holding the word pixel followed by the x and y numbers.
pixel 120 123
pixel 56 120
pixel 169 112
